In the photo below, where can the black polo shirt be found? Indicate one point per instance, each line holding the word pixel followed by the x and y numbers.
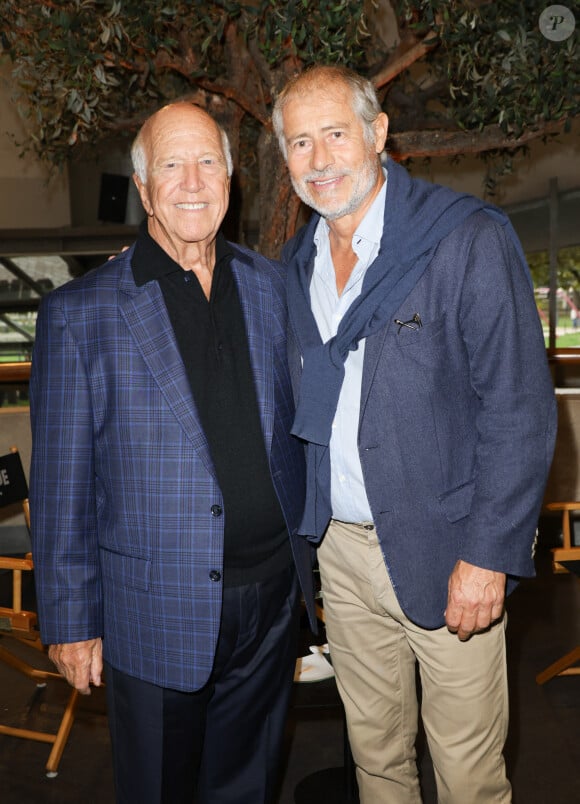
pixel 213 343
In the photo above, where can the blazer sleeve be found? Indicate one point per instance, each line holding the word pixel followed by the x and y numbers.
pixel 516 411
pixel 62 483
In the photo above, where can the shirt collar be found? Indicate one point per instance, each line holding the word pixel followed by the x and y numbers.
pixel 371 226
pixel 150 262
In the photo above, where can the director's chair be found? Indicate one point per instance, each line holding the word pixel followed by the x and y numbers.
pixel 564 559
pixel 16 623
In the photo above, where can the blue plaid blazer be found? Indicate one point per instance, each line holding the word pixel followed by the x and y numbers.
pixel 122 486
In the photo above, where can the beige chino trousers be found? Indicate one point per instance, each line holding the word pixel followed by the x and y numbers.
pixel 374 650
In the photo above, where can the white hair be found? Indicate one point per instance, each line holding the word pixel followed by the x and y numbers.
pixel 365 103
pixel 139 155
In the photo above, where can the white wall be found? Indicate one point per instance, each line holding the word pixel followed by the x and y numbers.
pixel 29 197
pixel 558 158
pixel 564 480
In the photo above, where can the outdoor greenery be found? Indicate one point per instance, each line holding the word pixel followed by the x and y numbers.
pixel 568 269
pixel 455 77
pixel 568 295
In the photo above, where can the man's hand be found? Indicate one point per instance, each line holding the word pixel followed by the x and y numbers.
pixel 475 600
pixel 112 256
pixel 81 663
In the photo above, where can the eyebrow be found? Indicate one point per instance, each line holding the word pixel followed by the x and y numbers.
pixel 324 129
pixel 188 158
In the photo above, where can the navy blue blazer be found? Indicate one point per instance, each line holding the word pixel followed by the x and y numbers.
pixel 457 422
pixel 125 506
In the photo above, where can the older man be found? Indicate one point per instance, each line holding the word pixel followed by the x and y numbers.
pixel 429 414
pixel 165 488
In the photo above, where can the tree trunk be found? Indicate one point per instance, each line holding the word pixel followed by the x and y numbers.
pixel 279 206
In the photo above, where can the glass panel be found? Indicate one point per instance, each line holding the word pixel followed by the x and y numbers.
pixel 17 295
pixel 20 290
pixel 47 271
pixel 568 294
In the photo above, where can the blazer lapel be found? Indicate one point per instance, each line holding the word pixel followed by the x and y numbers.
pixel 146 317
pixel 373 350
pixel 256 300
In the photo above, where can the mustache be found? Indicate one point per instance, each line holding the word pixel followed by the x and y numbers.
pixel 327 173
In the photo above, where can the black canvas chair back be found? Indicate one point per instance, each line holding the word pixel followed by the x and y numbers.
pixel 13 483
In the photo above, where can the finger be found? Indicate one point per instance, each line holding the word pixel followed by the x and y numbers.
pixel 82 682
pixel 75 679
pixel 77 675
pixel 96 670
pixel 82 689
pixel 497 612
pixel 467 626
pixel 484 618
pixel 456 623
pixel 453 614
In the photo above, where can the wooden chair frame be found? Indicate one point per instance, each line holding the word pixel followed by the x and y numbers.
pixel 567 665
pixel 22 625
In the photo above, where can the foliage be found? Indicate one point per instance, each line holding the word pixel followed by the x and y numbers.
pixel 568 269
pixel 86 68
pixel 496 64
pixel 477 73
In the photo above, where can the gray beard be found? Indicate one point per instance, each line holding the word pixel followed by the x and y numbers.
pixel 360 192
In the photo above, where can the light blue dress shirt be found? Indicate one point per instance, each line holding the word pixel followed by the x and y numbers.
pixel 349 498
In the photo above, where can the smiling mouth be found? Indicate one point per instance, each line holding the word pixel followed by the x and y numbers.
pixel 192 207
pixel 322 183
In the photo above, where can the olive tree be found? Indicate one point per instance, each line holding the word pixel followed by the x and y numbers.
pixel 454 77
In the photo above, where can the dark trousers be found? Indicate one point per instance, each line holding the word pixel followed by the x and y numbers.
pixel 222 743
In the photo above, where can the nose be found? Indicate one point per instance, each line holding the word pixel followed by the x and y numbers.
pixel 191 178
pixel 321 155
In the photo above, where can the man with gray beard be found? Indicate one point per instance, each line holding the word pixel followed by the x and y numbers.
pixel 427 409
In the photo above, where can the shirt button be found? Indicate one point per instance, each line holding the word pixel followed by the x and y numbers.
pixel 215 576
pixel 216 510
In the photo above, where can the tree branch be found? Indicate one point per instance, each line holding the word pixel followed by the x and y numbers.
pixel 235 91
pixel 218 87
pixel 404 57
pixel 407 144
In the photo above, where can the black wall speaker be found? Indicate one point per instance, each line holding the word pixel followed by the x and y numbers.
pixel 113 198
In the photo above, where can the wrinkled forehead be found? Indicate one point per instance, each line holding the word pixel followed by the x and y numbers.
pixel 182 125
pixel 320 87
pixel 318 109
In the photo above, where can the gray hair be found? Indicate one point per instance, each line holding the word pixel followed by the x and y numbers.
pixel 365 103
pixel 139 156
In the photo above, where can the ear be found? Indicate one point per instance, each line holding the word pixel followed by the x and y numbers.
pixel 143 194
pixel 381 126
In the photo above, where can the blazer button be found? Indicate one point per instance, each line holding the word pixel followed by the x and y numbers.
pixel 215 576
pixel 216 510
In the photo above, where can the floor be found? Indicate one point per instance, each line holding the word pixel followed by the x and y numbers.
pixel 543 750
